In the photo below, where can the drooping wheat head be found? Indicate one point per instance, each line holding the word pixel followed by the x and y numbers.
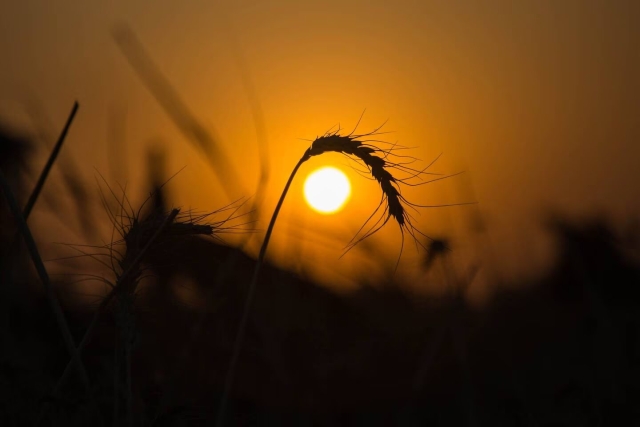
pixel 380 163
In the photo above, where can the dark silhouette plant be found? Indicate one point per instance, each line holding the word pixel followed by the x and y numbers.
pixel 381 164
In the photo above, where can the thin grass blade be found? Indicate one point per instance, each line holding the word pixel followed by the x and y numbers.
pixel 47 167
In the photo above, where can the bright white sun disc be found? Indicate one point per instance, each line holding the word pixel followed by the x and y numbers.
pixel 327 190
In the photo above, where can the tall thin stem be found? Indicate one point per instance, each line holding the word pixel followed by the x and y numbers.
pixel 23 228
pixel 247 305
pixel 58 314
pixel 47 167
pixel 125 276
pixel 33 197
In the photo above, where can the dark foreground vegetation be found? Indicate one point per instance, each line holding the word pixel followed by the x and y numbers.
pixel 560 350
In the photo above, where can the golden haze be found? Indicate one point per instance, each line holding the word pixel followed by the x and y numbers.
pixel 536 101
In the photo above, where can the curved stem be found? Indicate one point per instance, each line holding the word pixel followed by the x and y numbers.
pixel 247 305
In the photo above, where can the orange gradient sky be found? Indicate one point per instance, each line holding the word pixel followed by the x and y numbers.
pixel 537 101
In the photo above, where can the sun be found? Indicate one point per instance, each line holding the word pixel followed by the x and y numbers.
pixel 327 189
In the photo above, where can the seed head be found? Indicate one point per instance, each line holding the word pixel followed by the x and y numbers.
pixel 351 146
pixel 146 236
pixel 380 162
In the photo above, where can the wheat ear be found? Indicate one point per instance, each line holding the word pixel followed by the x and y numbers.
pixel 379 167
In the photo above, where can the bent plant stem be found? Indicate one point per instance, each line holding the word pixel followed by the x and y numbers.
pixel 393 205
pixel 247 306
pixel 46 282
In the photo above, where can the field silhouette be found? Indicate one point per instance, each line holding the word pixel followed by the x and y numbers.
pixel 558 349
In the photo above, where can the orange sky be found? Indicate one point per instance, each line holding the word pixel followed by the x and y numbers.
pixel 538 101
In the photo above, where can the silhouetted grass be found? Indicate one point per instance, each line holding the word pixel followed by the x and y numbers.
pixel 561 350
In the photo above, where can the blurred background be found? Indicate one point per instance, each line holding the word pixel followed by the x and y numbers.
pixel 536 102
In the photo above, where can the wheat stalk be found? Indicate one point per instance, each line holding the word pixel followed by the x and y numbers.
pixel 142 236
pixel 394 205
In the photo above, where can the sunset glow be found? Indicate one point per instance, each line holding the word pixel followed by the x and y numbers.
pixel 326 190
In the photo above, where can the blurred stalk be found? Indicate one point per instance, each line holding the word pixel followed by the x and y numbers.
pixel 52 158
pixel 174 106
pixel 33 197
pixel 125 276
pixel 44 277
pixel 71 176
